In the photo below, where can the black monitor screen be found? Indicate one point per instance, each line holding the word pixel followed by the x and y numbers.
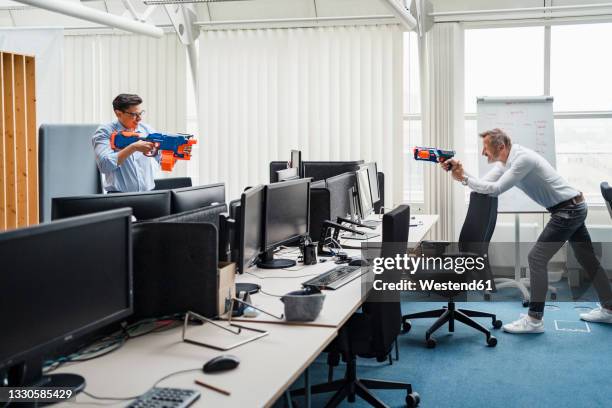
pixel 286 212
pixel 61 280
pixel 373 174
pixel 192 198
pixel 145 205
pixel 364 196
pixel 251 225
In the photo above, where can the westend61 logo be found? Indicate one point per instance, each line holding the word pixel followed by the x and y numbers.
pixel 412 264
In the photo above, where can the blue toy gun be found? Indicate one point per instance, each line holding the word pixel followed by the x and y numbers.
pixel 433 154
pixel 172 147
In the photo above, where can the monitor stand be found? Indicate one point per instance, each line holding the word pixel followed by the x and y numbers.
pixel 250 288
pixel 268 262
pixel 29 374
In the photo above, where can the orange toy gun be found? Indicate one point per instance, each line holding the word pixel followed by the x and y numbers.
pixel 172 147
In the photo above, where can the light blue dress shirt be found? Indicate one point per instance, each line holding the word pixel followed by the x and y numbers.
pixel 136 173
pixel 528 171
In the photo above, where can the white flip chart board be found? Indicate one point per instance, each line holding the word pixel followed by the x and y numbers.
pixel 529 122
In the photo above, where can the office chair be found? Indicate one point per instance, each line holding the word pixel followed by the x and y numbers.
pixel 606 192
pixel 474 240
pixel 372 333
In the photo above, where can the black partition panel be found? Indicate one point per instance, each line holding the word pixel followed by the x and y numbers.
pixel 274 167
pixel 175 269
pixel 321 170
pixel 66 163
pixel 172 182
pixel 208 215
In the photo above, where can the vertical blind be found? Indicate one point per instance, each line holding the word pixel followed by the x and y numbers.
pixel 99 67
pixel 332 92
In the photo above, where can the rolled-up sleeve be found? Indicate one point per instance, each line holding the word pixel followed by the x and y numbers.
pixel 505 181
pixel 106 158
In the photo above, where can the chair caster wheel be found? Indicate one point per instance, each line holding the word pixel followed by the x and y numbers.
pixel 431 343
pixel 412 400
pixel 497 324
pixel 525 303
pixel 553 296
pixel 406 326
pixel 487 297
pixel 492 341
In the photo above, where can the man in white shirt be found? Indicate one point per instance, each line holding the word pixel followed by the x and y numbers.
pixel 518 166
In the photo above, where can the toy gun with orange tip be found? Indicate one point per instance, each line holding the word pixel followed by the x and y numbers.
pixel 433 155
pixel 172 147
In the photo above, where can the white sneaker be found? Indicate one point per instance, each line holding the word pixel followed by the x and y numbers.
pixel 524 325
pixel 597 315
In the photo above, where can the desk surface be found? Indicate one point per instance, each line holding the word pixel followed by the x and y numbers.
pixel 268 365
pixel 339 305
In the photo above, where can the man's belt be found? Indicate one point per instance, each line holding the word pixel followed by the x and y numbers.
pixel 572 201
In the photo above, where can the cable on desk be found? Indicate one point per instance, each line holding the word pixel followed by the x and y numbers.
pixel 138 396
pixel 270 294
pixel 282 277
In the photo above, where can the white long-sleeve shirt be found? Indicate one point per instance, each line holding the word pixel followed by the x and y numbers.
pixel 528 171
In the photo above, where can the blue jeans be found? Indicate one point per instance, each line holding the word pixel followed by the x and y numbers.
pixel 565 225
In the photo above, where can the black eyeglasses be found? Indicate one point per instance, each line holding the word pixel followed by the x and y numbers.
pixel 135 115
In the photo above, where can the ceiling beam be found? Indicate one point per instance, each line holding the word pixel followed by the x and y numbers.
pixel 86 13
pixel 401 13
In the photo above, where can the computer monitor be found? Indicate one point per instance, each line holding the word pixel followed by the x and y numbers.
pixel 61 281
pixel 145 205
pixel 191 198
pixel 296 161
pixel 250 228
pixel 341 194
pixel 288 174
pixel 363 194
pixel 373 175
pixel 286 220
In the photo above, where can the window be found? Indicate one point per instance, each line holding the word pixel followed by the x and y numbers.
pixel 510 62
pixel 414 191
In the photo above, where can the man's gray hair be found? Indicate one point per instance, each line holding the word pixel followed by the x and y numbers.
pixel 497 137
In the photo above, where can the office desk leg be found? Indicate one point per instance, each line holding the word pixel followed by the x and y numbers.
pixel 307 387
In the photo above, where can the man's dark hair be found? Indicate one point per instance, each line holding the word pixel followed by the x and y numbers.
pixel 124 101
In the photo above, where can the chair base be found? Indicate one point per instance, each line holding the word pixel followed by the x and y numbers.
pixel 350 386
pixel 449 314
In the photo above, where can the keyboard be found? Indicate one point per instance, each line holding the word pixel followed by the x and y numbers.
pixel 335 278
pixel 166 398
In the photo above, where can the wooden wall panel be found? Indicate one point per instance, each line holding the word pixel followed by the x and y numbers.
pixel 21 145
pixel 9 142
pixel 2 164
pixel 32 140
pixel 18 144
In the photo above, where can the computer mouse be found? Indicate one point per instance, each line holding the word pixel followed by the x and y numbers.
pixel 221 363
pixel 358 262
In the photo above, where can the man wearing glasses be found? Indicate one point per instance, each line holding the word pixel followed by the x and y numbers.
pixel 128 169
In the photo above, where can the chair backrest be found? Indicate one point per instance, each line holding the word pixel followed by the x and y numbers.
pixel 192 198
pixel 386 314
pixel 172 182
pixel 65 153
pixel 606 192
pixel 479 223
pixel 145 205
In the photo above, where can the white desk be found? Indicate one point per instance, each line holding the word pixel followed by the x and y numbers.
pixel 268 365
pixel 340 304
